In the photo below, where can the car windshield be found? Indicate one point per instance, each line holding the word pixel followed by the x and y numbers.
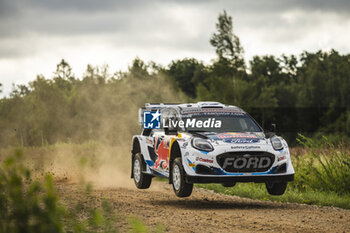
pixel 208 120
pixel 221 123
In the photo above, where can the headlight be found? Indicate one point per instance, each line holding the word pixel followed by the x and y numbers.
pixel 276 143
pixel 202 144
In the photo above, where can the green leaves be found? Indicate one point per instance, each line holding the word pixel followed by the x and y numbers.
pixel 325 167
pixel 33 206
pixel 26 205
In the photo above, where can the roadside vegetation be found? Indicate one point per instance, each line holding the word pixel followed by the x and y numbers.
pixel 30 203
pixel 322 177
pixel 308 93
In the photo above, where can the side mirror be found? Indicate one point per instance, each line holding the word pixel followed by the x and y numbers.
pixel 273 127
pixel 271 132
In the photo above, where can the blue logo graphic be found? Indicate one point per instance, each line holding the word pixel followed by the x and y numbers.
pixel 241 140
pixel 151 120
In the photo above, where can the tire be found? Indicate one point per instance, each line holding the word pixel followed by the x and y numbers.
pixel 228 185
pixel 276 188
pixel 142 180
pixel 181 188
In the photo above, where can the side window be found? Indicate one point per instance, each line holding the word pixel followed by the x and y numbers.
pixel 170 115
pixel 147 132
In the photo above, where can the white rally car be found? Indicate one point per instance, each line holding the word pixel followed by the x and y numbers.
pixel 207 142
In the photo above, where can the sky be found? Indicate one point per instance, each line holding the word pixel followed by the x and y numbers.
pixel 36 34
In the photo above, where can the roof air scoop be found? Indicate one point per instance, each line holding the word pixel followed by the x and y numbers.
pixel 209 104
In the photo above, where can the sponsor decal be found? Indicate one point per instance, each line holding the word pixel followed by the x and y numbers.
pixel 281 158
pixel 151 119
pixel 192 165
pixel 260 135
pixel 187 154
pixel 161 149
pixel 184 145
pixel 206 160
pixel 150 163
pixel 212 111
pixel 247 162
pixel 236 135
pixel 149 141
pixel 241 140
pixel 244 147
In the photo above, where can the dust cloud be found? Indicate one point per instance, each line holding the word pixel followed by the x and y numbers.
pixel 105 159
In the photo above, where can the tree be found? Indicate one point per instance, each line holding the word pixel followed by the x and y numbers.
pixel 138 69
pixel 222 82
pixel 226 43
pixel 187 74
pixel 63 71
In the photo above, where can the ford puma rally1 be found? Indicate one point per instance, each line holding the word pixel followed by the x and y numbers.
pixel 207 142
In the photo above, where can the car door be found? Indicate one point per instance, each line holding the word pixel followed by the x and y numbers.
pixel 159 151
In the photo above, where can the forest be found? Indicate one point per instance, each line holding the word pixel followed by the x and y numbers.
pixel 307 93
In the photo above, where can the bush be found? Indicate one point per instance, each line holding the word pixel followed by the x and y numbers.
pixel 26 205
pixel 323 168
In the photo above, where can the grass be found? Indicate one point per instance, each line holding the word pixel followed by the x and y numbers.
pixel 258 191
pixel 29 204
pixel 322 177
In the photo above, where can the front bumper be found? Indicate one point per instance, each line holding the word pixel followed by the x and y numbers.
pixel 207 168
pixel 232 179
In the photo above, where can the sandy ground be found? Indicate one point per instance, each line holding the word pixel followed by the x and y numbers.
pixel 203 211
pixel 206 211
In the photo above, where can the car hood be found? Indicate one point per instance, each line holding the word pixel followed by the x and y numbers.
pixel 233 137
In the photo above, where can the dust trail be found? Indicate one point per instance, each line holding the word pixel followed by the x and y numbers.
pixel 101 165
pixel 108 117
pixel 113 169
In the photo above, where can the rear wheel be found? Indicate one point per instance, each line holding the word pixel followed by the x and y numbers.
pixel 228 185
pixel 142 180
pixel 181 188
pixel 276 188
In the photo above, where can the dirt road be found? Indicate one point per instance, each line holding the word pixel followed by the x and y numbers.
pixel 206 211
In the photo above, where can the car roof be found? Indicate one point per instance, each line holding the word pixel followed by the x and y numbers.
pixel 185 107
pixel 190 108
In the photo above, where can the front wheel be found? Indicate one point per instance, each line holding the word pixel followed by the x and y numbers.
pixel 181 188
pixel 142 180
pixel 276 188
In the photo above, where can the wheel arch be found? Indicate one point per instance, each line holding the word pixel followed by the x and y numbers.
pixel 135 148
pixel 175 152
